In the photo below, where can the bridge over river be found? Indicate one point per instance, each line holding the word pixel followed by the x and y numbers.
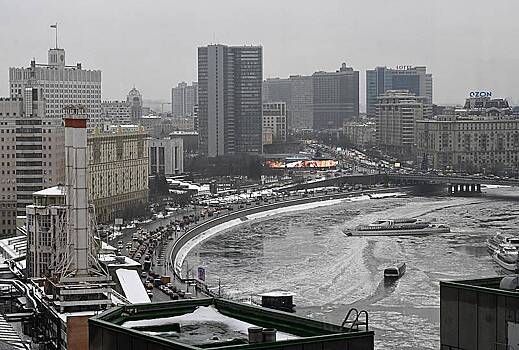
pixel 455 183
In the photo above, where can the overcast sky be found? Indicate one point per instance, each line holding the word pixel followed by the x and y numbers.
pixel 466 44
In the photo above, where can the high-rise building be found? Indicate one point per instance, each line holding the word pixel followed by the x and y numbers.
pixel 275 120
pixel 166 156
pixel 397 114
pixel 297 92
pixel 301 107
pixel 229 95
pixel 382 79
pixel 117 112
pixel 481 137
pixel 336 97
pixel 32 154
pixel 61 85
pixel 135 99
pixel 184 98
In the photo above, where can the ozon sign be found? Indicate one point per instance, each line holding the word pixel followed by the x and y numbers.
pixel 480 94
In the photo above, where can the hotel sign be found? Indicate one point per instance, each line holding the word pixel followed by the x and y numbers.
pixel 404 67
pixel 480 94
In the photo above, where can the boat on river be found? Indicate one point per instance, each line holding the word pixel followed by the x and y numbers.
pixel 506 257
pixel 395 272
pixel 398 227
pixel 494 242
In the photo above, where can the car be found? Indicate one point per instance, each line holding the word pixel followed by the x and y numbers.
pixel 149 285
pixel 144 274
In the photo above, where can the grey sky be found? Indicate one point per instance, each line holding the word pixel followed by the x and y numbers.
pixel 466 44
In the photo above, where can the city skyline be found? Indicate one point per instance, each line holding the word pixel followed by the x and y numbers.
pixel 446 40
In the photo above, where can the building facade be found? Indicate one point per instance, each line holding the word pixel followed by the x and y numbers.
pixel 134 98
pixel 381 79
pixel 181 123
pixel 360 133
pixel 166 156
pixel 61 85
pixel 397 114
pixel 482 137
pixel 118 177
pixel 46 217
pixel 189 141
pixel 297 92
pixel 479 313
pixel 31 154
pixel 117 112
pixel 229 88
pixel 321 101
pixel 335 97
pixel 275 119
pixel 184 99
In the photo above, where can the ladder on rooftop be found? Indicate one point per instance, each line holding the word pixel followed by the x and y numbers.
pixel 356 321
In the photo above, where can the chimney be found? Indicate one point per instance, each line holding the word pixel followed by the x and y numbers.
pixel 76 187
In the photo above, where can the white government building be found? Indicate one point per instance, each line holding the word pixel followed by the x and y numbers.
pixel 61 85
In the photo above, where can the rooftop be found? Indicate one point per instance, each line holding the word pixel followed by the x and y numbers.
pixel 51 191
pixel 218 324
pixel 14 247
pixel 113 260
pixel 490 285
pixel 132 287
pixel 183 132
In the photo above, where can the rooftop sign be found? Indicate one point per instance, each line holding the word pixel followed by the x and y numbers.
pixel 480 94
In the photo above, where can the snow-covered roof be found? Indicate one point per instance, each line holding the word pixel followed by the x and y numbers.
pixel 200 315
pixel 51 191
pixel 132 286
pixel 277 293
pixel 107 247
pixel 13 247
pixel 109 260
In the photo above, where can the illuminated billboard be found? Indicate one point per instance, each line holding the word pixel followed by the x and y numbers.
pixel 301 163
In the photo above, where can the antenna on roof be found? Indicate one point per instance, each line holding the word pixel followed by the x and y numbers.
pixel 55 26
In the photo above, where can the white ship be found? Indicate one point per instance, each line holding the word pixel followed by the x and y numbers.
pixel 494 242
pixel 506 257
pixel 398 227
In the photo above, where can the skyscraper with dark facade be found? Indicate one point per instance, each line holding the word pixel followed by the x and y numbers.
pixel 336 97
pixel 381 79
pixel 229 98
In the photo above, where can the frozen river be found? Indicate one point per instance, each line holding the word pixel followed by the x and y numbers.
pixel 306 252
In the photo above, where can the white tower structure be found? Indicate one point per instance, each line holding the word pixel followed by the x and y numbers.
pixel 83 284
pixel 76 190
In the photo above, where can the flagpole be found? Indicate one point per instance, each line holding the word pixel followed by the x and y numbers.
pixel 56 35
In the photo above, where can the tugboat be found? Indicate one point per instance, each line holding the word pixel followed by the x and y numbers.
pixel 398 227
pixel 278 300
pixel 395 272
pixel 506 257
